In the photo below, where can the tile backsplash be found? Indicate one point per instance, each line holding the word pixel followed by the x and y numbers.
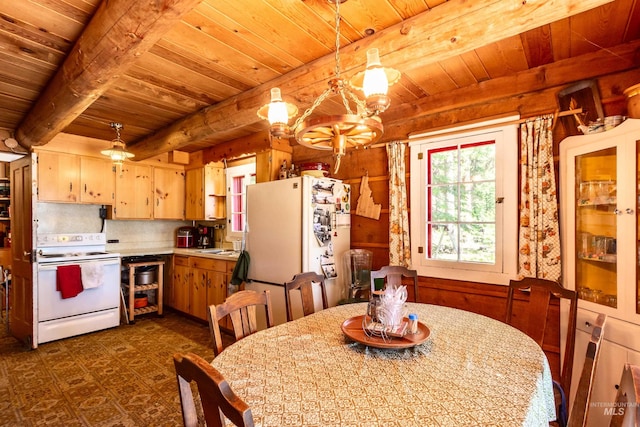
pixel 132 234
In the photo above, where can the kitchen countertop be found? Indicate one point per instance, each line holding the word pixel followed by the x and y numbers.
pixel 230 254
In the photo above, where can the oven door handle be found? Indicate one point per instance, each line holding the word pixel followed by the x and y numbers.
pixel 54 265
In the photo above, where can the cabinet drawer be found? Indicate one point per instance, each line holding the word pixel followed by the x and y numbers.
pixel 208 264
pixel 230 266
pixel 181 260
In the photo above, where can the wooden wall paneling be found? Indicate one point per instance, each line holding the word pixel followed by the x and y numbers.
pixel 491 301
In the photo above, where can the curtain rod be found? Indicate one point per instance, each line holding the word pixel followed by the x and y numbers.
pixel 556 114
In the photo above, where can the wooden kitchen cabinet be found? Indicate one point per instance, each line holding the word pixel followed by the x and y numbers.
pixel 134 192
pixel 205 192
pixel 169 193
pixel 74 179
pixel 97 184
pixel 194 198
pixel 199 282
pixel 180 285
pixel 208 286
pixel 58 177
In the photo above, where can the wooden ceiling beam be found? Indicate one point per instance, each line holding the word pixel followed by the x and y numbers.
pixel 118 34
pixel 451 29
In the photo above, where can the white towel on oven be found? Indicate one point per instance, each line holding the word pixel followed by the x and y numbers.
pixel 92 275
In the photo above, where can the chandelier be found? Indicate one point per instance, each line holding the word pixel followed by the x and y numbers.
pixel 117 152
pixel 337 132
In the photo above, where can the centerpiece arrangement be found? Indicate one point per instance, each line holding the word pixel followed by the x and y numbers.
pixel 386 313
pixel 385 323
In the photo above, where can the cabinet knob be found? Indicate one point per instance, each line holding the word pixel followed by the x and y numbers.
pixel 629 211
pixel 617 211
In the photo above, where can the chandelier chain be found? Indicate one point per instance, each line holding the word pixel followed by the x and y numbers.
pixel 117 127
pixel 309 110
pixel 337 54
pixel 359 102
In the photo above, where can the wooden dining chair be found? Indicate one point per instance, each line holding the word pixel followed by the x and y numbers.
pixel 579 414
pixel 532 320
pixel 392 275
pixel 304 283
pixel 241 308
pixel 217 399
pixel 627 408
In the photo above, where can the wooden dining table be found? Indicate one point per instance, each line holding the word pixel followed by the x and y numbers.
pixel 471 371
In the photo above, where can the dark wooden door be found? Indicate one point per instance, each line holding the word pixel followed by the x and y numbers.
pixel 21 319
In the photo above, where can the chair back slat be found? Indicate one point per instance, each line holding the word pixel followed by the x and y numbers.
pixel 241 307
pixel 303 282
pixel 536 323
pixel 533 318
pixel 217 399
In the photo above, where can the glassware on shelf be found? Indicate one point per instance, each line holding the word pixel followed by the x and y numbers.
pixel 593 193
pixel 600 248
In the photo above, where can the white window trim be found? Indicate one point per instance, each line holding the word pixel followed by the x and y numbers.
pixel 508 155
pixel 247 169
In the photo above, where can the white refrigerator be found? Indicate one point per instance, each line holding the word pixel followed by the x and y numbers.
pixel 297 225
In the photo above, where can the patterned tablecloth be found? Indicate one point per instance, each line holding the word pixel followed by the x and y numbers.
pixel 472 371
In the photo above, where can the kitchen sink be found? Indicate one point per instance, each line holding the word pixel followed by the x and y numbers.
pixel 230 253
pixel 220 252
pixel 212 251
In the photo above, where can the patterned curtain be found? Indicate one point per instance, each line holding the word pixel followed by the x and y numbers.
pixel 399 243
pixel 539 239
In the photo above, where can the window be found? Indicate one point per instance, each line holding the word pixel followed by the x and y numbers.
pixel 464 195
pixel 238 177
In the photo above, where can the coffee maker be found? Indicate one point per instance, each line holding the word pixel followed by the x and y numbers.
pixel 205 236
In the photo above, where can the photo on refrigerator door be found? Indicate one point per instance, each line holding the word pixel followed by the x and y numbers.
pixel 327 263
pixel 343 199
pixel 322 225
pixel 322 193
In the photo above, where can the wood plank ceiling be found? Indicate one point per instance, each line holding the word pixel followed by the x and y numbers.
pixel 190 74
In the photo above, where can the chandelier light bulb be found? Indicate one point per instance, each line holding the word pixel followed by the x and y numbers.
pixel 277 108
pixel 375 79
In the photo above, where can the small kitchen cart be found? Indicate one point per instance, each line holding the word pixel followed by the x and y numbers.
pixel 132 288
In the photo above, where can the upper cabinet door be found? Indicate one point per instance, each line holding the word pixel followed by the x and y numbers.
pixel 215 191
pixel 169 192
pixel 58 177
pixel 134 192
pixel 195 194
pixel 96 181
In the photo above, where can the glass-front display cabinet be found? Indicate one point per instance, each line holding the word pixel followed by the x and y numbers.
pixel 599 207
